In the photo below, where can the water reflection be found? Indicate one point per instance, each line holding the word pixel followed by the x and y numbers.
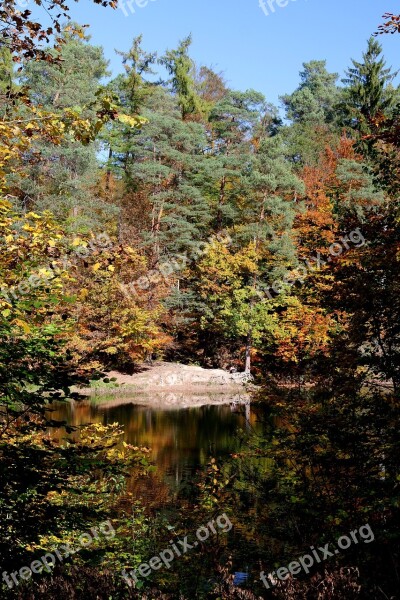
pixel 182 437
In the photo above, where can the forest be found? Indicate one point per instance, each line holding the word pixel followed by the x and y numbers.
pixel 160 216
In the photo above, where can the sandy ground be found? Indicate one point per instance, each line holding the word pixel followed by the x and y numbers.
pixel 167 375
pixel 174 385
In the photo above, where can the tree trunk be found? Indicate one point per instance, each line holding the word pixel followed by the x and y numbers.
pixel 247 367
pixel 108 175
pixel 221 201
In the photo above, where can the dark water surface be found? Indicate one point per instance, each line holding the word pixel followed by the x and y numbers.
pixel 182 440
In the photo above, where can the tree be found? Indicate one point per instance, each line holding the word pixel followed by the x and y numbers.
pixel 24 37
pixel 392 25
pixel 315 98
pixel 6 71
pixel 232 124
pixel 40 475
pixel 268 216
pixel 133 91
pixel 63 179
pixel 369 94
pixel 210 86
pixel 313 110
pixel 164 172
pixel 179 64
pixel 232 282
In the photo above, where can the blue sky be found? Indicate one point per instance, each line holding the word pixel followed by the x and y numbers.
pixel 235 36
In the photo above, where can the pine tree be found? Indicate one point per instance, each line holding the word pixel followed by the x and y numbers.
pixel 179 64
pixel 369 93
pixel 133 90
pixel 312 108
pixel 63 178
pixel 232 283
pixel 267 221
pixel 231 127
pixel 315 98
pixel 164 175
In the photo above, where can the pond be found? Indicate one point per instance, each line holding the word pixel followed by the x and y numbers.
pixel 181 435
pixel 286 479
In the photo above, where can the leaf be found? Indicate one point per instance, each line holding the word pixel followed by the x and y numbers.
pixel 111 350
pixel 132 121
pixel 22 324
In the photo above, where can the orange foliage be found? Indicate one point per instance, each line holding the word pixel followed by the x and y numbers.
pixel 303 333
pixel 316 227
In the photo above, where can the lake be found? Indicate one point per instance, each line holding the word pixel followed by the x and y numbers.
pixel 182 438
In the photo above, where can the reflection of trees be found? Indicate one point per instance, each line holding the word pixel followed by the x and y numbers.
pixel 181 440
pixel 313 469
pixel 327 467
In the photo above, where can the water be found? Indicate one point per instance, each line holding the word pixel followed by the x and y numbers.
pixel 182 437
pixel 293 489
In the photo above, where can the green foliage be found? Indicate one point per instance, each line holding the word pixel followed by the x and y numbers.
pixel 313 112
pixel 63 179
pixel 315 99
pixel 60 486
pixel 179 64
pixel 6 70
pixel 369 94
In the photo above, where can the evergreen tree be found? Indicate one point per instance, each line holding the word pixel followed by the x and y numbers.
pixel 133 90
pixel 137 64
pixel 312 108
pixel 232 283
pixel 63 178
pixel 179 64
pixel 315 98
pixel 369 93
pixel 165 180
pixel 231 127
pixel 266 223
